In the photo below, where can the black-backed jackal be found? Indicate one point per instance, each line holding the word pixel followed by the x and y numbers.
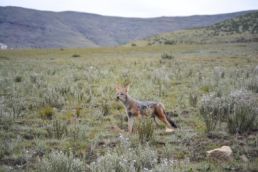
pixel 136 108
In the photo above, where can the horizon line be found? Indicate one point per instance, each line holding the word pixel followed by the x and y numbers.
pixel 63 11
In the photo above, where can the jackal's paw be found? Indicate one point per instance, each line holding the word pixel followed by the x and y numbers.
pixel 170 130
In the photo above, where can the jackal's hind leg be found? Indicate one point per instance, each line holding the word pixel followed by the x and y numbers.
pixel 162 117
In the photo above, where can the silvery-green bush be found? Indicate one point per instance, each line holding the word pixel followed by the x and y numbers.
pixel 213 110
pixel 243 112
pixel 238 110
pixel 59 161
pixel 141 158
pixel 252 84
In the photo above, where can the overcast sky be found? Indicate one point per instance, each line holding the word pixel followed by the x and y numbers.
pixel 138 8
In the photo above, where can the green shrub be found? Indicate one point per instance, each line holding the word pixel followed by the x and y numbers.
pixel 57 129
pixel 206 88
pixel 193 99
pixel 78 132
pixel 145 130
pixel 8 146
pixel 253 84
pixel 15 106
pixel 76 55
pixel 52 97
pixel 47 112
pixel 169 42
pixel 18 79
pixel 59 161
pixel 4 57
pixel 242 119
pixel 4 149
pixel 167 56
pixel 104 107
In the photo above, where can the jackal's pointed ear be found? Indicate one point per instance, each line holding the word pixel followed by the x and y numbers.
pixel 118 87
pixel 127 88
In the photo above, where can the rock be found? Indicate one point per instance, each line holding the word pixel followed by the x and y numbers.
pixel 244 158
pixel 223 153
pixel 170 130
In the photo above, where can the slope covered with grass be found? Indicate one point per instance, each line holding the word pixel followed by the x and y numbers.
pixel 239 29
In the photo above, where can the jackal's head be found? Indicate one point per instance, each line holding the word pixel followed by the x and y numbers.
pixel 122 92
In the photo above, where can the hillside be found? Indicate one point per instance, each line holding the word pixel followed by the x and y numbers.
pixel 26 28
pixel 240 29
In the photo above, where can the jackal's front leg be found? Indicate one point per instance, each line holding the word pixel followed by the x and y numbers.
pixel 130 124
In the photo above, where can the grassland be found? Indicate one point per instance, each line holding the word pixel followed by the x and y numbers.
pixel 58 109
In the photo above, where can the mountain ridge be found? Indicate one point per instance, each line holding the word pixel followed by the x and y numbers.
pixel 28 28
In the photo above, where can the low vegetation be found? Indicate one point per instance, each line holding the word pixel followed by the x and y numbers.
pixel 59 113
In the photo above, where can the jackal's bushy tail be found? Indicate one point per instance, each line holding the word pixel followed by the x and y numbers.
pixel 172 123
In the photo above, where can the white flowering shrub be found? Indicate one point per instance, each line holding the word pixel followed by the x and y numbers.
pixel 59 161
pixel 138 159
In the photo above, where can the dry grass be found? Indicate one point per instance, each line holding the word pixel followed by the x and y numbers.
pixel 81 93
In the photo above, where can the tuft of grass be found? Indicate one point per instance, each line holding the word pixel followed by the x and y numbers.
pixel 57 130
pixel 253 84
pixel 4 58
pixel 167 56
pixel 242 119
pixel 105 107
pixel 193 99
pixel 145 130
pixel 47 113
pixel 206 88
pixel 18 79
